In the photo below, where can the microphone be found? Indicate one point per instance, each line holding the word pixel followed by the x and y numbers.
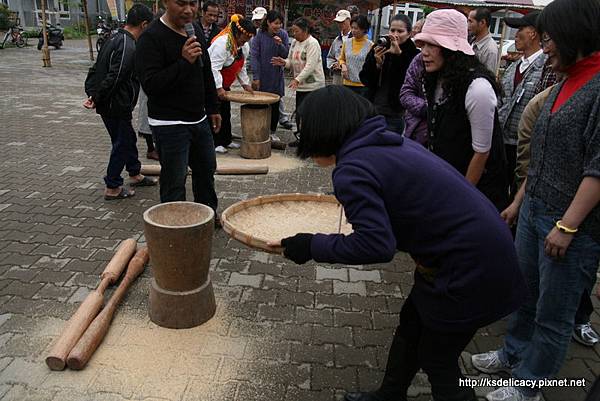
pixel 190 31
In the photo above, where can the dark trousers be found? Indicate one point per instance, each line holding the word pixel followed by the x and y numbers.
pixel 149 141
pixel 511 165
pixel 223 137
pixel 180 146
pixel 415 347
pixel 359 90
pixel 585 309
pixel 274 116
pixel 395 124
pixel 124 152
pixel 300 96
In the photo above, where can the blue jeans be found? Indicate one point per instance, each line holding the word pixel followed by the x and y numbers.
pixel 180 146
pixel 539 332
pixel 124 153
pixel 395 124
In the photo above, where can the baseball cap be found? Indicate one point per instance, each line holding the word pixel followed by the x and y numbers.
pixel 529 19
pixel 258 13
pixel 342 16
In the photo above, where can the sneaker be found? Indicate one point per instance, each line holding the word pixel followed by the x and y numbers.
pixel 509 394
pixel 275 138
pixel 286 124
pixel 584 334
pixel 220 149
pixel 233 145
pixel 489 362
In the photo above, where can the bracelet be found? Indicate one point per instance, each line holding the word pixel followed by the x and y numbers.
pixel 565 229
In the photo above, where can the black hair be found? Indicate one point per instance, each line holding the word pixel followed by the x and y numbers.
pixel 303 24
pixel 573 27
pixel 272 16
pixel 327 118
pixel 362 22
pixel 246 24
pixel 403 18
pixel 483 13
pixel 457 74
pixel 209 4
pixel 139 13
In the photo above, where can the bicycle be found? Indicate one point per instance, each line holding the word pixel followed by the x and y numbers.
pixel 16 37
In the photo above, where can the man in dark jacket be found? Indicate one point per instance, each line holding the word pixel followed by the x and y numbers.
pixel 175 72
pixel 112 90
pixel 210 16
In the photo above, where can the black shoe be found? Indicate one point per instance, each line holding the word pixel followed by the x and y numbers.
pixel 362 397
pixel 287 125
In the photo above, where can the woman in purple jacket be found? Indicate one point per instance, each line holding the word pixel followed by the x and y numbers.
pixel 270 41
pixel 400 197
pixel 413 100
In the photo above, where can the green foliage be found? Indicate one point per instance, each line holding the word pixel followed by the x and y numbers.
pixel 32 33
pixel 74 32
pixel 4 15
pixel 427 10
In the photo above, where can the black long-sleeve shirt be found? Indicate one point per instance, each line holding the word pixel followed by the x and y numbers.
pixel 176 89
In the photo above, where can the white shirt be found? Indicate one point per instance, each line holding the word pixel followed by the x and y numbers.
pixel 221 57
pixel 527 61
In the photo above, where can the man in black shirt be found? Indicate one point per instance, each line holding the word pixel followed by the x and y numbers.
pixel 175 72
pixel 112 90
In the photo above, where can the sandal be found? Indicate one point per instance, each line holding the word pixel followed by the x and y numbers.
pixel 121 195
pixel 145 182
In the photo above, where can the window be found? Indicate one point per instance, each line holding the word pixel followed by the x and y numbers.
pixel 63 8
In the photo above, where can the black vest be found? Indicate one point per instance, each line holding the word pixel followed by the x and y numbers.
pixel 450 138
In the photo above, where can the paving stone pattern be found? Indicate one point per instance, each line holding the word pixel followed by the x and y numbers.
pixel 281 332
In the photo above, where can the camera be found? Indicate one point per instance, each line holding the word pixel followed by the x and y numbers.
pixel 384 41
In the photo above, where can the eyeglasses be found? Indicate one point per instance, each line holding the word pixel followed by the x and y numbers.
pixel 546 40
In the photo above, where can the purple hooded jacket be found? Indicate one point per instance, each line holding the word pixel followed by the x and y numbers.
pixel 399 196
pixel 412 99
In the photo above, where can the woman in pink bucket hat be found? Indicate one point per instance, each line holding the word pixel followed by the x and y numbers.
pixel 464 129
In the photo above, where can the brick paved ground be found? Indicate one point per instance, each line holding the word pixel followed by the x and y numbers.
pixel 282 332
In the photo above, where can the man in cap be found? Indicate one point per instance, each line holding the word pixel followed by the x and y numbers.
pixel 342 18
pixel 519 85
pixel 258 15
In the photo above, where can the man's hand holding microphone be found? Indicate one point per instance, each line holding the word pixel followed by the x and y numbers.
pixel 191 51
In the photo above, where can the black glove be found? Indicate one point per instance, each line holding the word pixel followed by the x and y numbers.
pixel 297 248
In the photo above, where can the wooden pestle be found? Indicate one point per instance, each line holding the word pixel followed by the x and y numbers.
pixel 90 340
pixel 89 308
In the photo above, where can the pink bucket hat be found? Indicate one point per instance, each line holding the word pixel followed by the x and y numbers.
pixel 448 29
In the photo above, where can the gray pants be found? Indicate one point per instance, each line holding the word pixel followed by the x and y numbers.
pixel 283 116
pixel 337 78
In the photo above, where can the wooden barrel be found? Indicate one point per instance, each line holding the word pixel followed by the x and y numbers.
pixel 256 128
pixel 256 150
pixel 179 237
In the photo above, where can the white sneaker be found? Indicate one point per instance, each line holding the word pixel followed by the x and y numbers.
pixel 275 138
pixel 584 334
pixel 489 362
pixel 509 394
pixel 233 145
pixel 220 149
